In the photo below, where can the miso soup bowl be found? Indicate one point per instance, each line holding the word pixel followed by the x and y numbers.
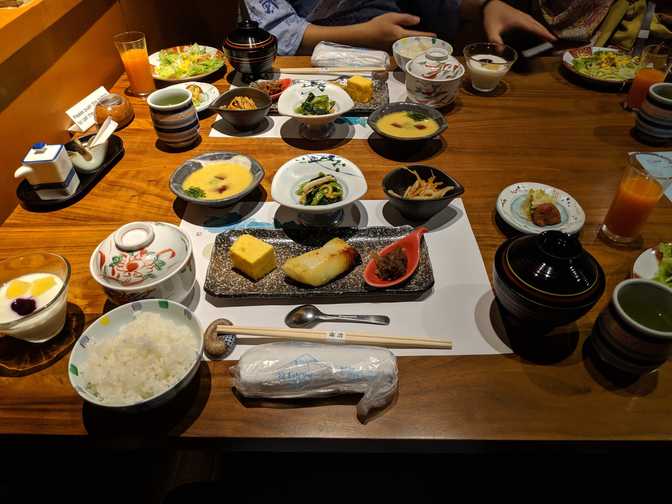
pixel 623 340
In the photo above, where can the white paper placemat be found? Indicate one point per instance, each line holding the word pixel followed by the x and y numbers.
pixel 457 308
pixel 287 127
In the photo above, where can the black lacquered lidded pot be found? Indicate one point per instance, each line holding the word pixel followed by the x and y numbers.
pixel 547 279
pixel 250 49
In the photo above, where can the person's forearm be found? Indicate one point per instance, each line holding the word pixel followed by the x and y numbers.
pixel 351 35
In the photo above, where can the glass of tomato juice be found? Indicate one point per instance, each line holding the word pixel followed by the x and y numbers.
pixel 646 178
pixel 132 48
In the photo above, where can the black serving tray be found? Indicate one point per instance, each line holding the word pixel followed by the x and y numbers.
pixel 224 282
pixel 31 201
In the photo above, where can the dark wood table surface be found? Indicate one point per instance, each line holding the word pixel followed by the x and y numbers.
pixel 542 128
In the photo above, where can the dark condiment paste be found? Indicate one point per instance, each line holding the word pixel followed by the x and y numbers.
pixel 392 265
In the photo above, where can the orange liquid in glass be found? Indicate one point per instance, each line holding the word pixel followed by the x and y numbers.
pixel 138 70
pixel 635 200
pixel 644 79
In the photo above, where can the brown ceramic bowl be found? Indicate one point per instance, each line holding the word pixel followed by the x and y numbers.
pixel 634 333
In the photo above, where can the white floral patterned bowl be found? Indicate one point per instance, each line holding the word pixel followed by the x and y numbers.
pixel 109 325
pixel 314 126
pixel 434 78
pixel 303 168
pixel 144 260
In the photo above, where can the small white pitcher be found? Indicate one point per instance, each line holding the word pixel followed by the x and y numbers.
pixel 49 171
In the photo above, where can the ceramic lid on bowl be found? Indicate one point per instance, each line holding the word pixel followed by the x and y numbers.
pixel 248 35
pixel 552 263
pixel 435 64
pixel 140 254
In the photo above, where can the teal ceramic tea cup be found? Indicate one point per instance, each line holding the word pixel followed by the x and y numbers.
pixel 174 116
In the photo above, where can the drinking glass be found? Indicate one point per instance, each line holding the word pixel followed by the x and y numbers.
pixel 646 178
pixel 488 63
pixel 132 48
pixel 654 64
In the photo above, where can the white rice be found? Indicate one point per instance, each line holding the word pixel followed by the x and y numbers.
pixel 146 357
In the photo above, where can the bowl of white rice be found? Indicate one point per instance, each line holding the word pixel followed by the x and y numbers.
pixel 137 356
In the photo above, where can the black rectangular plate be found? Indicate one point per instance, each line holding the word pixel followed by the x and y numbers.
pixel 225 282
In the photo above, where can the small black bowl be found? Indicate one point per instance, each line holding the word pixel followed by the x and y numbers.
pixel 419 210
pixel 425 110
pixel 243 120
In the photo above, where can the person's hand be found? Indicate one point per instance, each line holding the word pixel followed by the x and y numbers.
pixel 384 30
pixel 499 17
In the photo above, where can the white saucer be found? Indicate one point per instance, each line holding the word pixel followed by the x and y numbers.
pixel 509 209
pixel 211 93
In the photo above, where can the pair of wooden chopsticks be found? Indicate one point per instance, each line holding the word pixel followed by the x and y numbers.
pixel 335 70
pixel 355 338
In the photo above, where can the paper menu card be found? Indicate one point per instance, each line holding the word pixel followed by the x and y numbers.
pixel 83 113
pixel 457 308
pixel 647 160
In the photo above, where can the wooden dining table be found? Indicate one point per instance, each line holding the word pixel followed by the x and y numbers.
pixel 541 126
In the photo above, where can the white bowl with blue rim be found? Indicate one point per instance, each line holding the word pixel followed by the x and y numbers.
pixel 188 167
pixel 109 325
pixel 303 168
pixel 511 200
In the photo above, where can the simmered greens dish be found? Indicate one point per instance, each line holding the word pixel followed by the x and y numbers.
pixel 320 190
pixel 186 61
pixel 315 105
pixel 607 65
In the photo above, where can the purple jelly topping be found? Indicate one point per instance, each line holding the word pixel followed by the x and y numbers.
pixel 24 306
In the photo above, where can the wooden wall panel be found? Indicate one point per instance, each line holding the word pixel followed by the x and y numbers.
pixel 39 81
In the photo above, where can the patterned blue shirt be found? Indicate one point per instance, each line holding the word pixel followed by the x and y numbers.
pixel 288 19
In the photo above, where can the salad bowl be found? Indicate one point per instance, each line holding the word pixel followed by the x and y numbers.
pixel 185 63
pixel 303 101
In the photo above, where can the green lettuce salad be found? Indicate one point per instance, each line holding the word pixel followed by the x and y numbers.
pixel 186 61
pixel 664 254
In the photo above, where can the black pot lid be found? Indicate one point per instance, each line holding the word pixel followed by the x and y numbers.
pixel 552 263
pixel 248 35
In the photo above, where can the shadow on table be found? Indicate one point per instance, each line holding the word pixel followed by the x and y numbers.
pixel 172 419
pixel 21 358
pixel 502 88
pixel 614 380
pixel 354 215
pixel 225 128
pixel 437 222
pixel 164 147
pixel 406 151
pixel 342 133
pixel 534 344
pixel 315 402
pixel 215 217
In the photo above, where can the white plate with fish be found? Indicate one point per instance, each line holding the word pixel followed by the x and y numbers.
pixel 515 202
pixel 203 94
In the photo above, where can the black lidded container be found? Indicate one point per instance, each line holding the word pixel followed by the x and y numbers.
pixel 250 49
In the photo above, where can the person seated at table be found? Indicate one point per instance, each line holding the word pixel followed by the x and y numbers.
pixel 300 24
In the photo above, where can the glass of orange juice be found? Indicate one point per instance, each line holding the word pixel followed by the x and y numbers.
pixel 646 178
pixel 132 48
pixel 654 64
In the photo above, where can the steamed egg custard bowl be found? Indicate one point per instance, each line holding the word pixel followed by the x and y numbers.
pixel 219 179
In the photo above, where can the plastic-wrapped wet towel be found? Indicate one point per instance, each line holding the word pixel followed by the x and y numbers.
pixel 296 369
pixel 329 54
